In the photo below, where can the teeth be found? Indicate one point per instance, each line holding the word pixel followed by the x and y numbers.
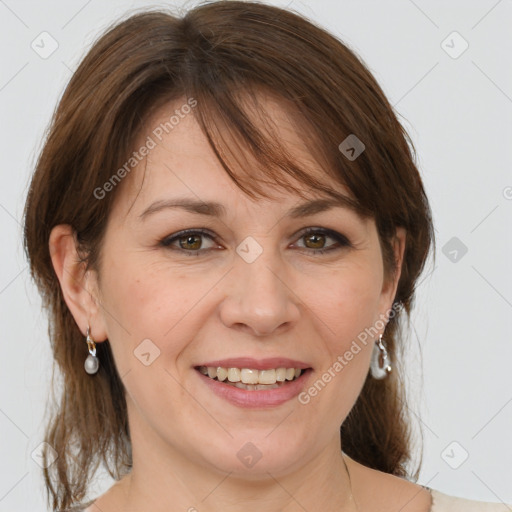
pixel 234 375
pixel 241 385
pixel 250 376
pixel 281 374
pixel 247 378
pixel 267 377
pixel 222 373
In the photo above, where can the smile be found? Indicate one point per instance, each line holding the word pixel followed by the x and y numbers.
pixel 252 379
pixel 245 388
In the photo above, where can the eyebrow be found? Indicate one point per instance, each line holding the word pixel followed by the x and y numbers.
pixel 215 209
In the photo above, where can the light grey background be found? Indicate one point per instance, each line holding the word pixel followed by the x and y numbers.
pixel 459 114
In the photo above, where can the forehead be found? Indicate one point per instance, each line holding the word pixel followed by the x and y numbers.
pixel 179 159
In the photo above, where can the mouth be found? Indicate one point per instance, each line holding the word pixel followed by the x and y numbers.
pixel 248 382
pixel 253 384
pixel 252 379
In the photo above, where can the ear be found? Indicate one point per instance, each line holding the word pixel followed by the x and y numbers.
pixel 79 287
pixel 391 282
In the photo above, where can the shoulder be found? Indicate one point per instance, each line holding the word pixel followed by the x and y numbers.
pixel 92 506
pixel 113 498
pixel 85 507
pixel 392 493
pixel 445 503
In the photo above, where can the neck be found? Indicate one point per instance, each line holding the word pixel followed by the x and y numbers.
pixel 163 479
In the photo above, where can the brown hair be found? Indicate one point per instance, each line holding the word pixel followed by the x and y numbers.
pixel 221 54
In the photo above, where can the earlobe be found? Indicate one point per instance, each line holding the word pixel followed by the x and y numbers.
pixel 76 283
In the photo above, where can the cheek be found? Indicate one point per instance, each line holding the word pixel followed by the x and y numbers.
pixel 345 312
pixel 144 302
pixel 349 306
pixel 150 322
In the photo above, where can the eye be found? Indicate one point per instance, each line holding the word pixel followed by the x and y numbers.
pixel 189 241
pixel 315 239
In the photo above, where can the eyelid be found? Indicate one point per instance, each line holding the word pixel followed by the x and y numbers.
pixel 327 232
pixel 166 241
pixel 341 239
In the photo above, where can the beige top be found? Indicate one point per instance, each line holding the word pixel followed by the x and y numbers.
pixel 444 503
pixel 440 503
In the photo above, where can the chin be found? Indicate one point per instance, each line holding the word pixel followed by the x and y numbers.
pixel 256 455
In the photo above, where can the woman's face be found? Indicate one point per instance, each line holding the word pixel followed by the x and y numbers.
pixel 246 288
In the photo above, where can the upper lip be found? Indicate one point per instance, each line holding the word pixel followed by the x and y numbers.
pixel 257 364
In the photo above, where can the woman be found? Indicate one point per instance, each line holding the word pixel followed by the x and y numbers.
pixel 227 225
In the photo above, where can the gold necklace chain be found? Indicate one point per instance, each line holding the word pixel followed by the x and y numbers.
pixel 351 497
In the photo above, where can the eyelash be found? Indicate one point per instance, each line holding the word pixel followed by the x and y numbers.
pixel 338 237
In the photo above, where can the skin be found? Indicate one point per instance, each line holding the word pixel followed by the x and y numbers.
pixel 289 302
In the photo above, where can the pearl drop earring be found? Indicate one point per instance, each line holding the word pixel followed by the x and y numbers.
pixel 380 365
pixel 92 363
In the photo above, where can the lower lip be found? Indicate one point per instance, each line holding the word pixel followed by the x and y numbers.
pixel 257 398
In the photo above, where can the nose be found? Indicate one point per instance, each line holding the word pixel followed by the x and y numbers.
pixel 259 298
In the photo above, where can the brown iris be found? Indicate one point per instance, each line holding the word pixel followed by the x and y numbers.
pixel 317 240
pixel 194 242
